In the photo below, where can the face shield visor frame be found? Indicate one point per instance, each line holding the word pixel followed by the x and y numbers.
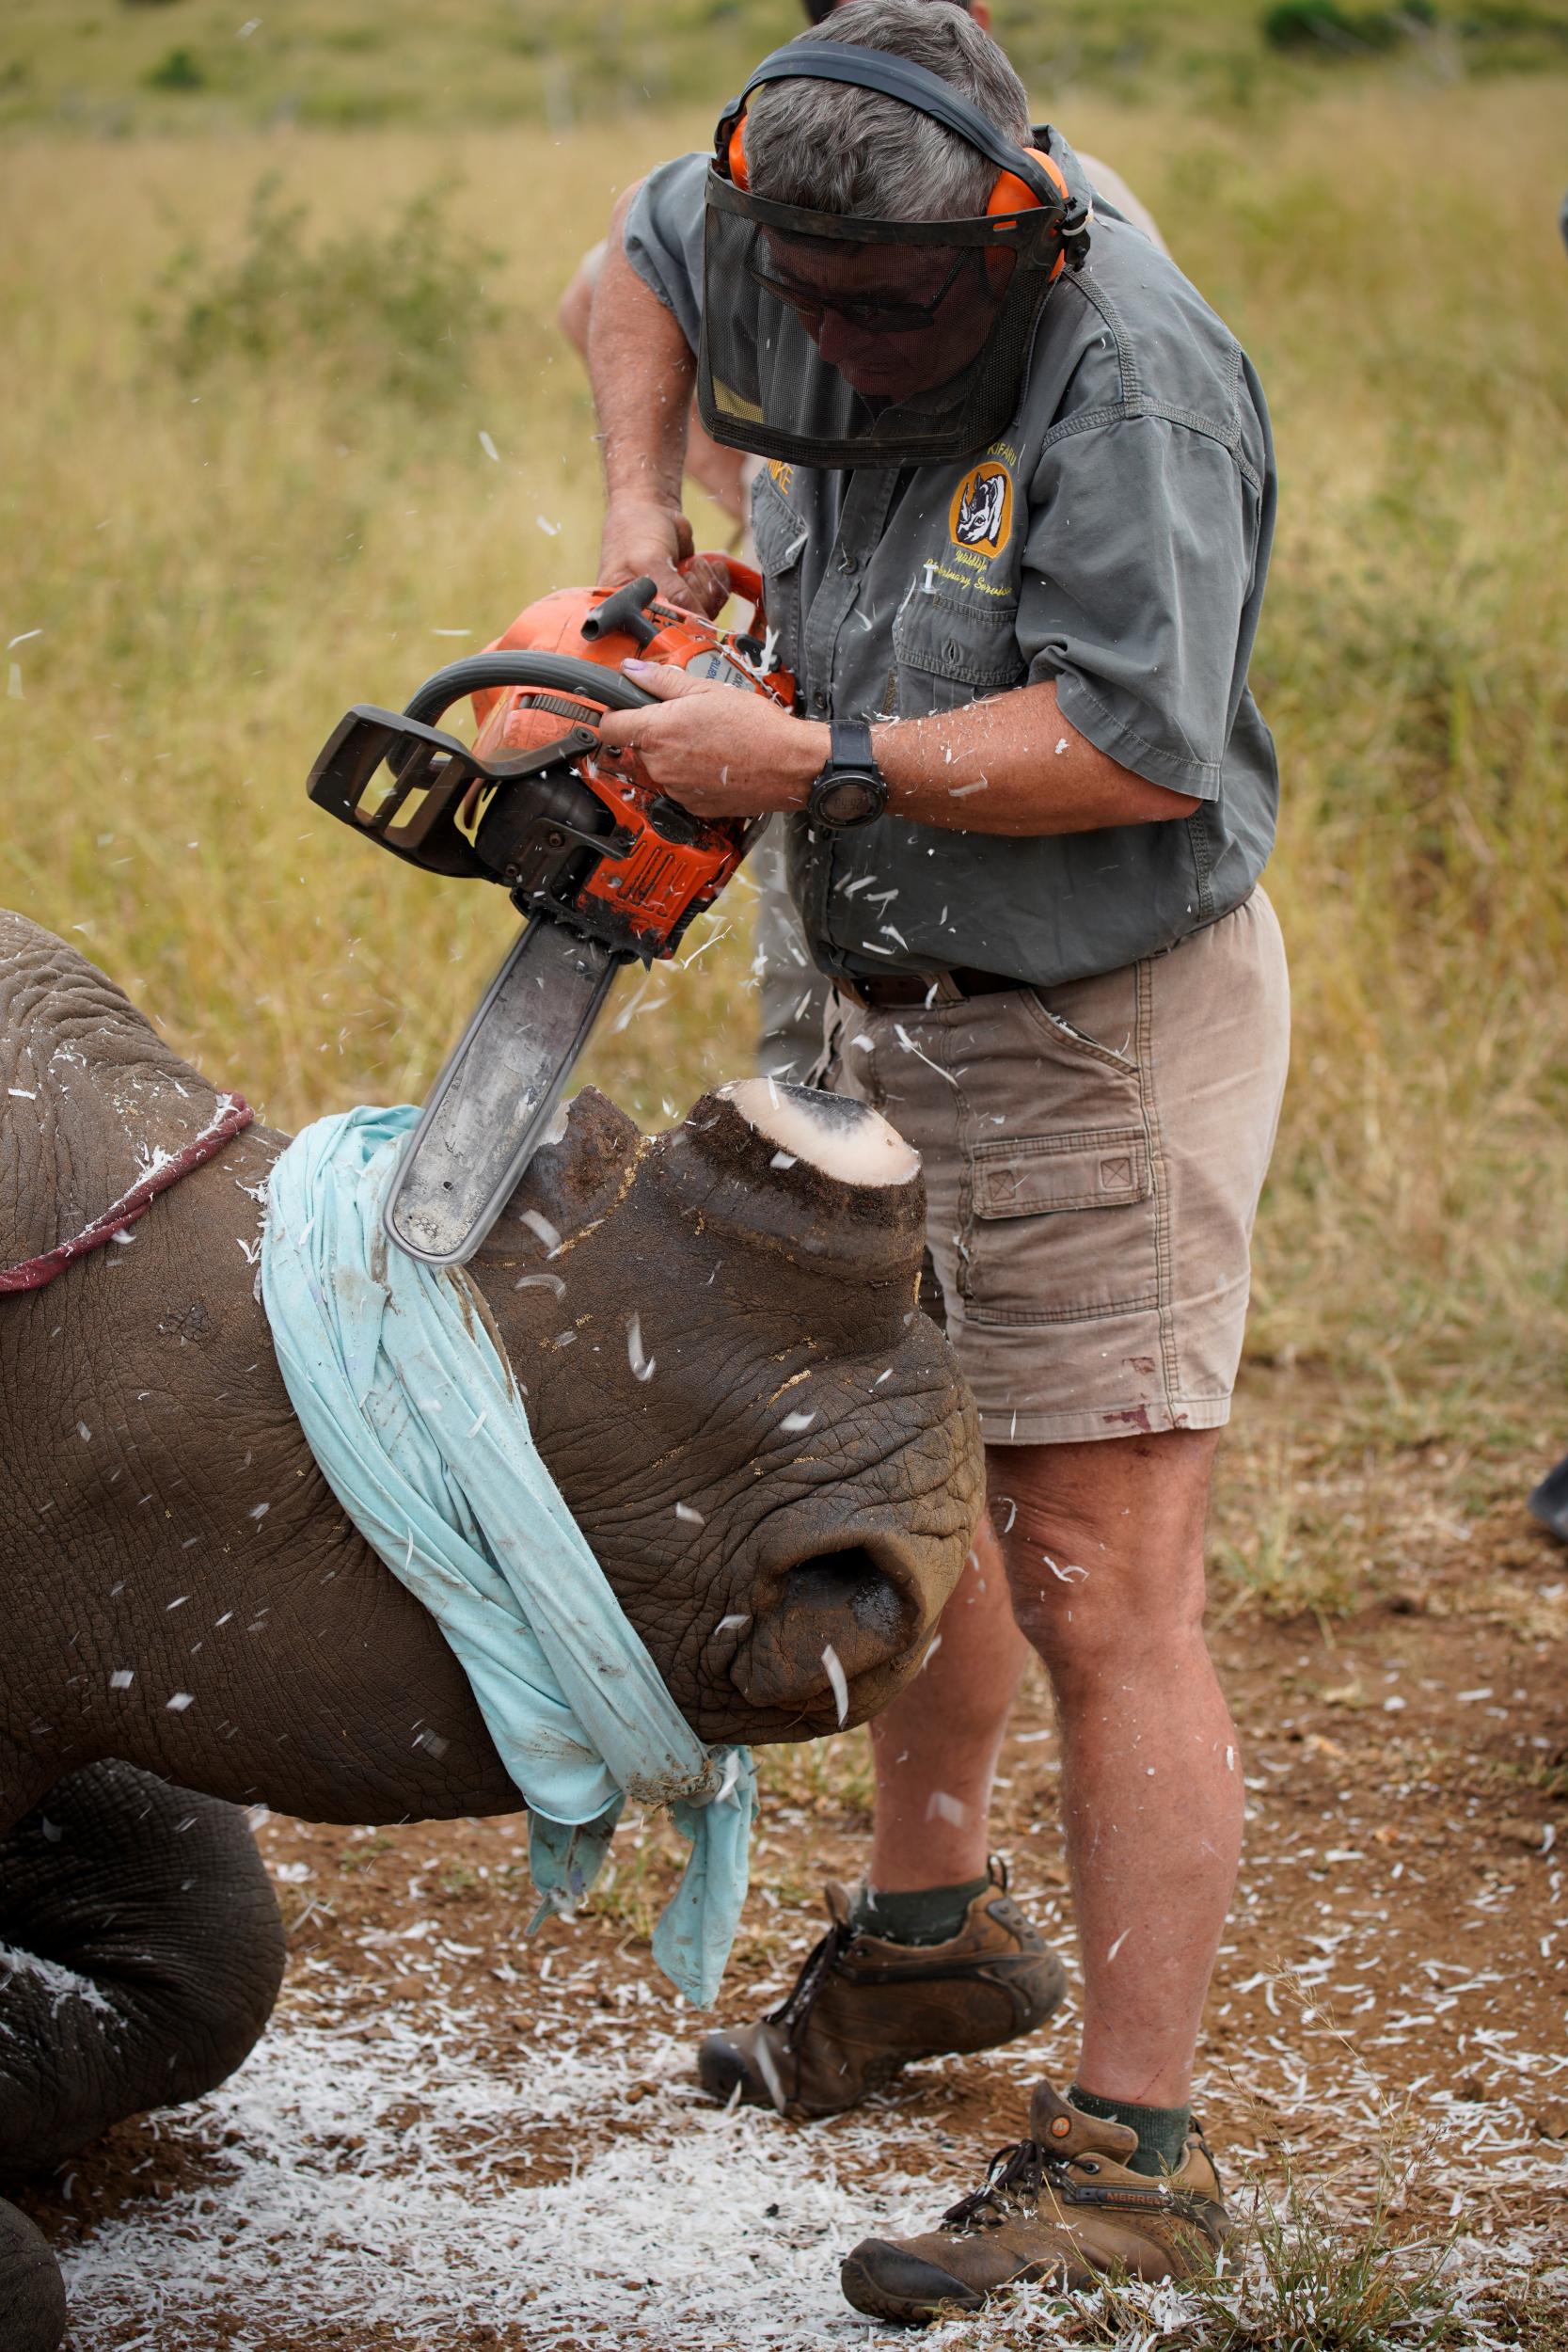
pixel 834 340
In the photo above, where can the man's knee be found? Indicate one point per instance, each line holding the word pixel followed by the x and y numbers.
pixel 1097 1625
pixel 1104 1548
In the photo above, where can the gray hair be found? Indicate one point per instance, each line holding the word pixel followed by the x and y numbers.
pixel 835 149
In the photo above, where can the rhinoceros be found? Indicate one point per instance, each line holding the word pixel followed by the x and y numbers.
pixel 782 1510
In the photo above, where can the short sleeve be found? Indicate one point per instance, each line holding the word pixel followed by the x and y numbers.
pixel 1142 578
pixel 663 239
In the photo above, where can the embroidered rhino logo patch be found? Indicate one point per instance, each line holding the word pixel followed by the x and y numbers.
pixel 981 512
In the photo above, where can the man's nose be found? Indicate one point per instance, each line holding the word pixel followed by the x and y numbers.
pixel 838 340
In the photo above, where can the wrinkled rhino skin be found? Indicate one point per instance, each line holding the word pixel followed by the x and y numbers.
pixel 165 1535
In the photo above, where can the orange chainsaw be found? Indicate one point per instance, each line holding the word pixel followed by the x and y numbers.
pixel 605 867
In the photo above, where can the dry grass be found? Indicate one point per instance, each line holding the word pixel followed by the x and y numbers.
pixel 204 568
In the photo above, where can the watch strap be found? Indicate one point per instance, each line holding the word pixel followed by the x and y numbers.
pixel 850 744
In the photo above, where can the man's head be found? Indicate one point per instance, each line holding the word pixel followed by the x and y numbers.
pixel 877 204
pixel 835 149
pixel 818 12
pixel 891 320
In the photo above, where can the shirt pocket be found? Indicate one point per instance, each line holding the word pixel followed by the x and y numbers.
pixel 780 542
pixel 1063 1228
pixel 948 652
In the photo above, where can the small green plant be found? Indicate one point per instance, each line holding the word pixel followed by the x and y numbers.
pixel 178 69
pixel 358 1857
pixel 1322 26
pixel 388 310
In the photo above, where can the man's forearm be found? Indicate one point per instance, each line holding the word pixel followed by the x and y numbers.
pixel 642 369
pixel 1013 765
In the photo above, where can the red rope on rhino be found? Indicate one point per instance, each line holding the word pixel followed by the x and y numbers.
pixel 233 1116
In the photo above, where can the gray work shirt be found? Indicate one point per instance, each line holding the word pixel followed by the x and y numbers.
pixel 1115 539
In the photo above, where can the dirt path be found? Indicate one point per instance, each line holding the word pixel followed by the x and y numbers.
pixel 453 2135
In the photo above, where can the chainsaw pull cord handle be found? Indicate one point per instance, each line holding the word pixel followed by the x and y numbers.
pixel 625 614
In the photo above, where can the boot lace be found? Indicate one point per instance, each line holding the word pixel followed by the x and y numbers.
pixel 1018 2170
pixel 795 2009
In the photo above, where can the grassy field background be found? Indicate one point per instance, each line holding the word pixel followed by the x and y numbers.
pixel 288 423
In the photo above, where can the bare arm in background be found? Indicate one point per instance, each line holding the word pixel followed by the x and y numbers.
pixel 643 372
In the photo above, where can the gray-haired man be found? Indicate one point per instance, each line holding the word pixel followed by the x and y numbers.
pixel 1015 528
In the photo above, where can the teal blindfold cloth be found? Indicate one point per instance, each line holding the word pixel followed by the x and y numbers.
pixel 417 1423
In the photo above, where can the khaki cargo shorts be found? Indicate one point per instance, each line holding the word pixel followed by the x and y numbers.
pixel 1093 1156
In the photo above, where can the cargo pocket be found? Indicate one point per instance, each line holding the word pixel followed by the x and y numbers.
pixel 948 653
pixel 1062 1228
pixel 780 541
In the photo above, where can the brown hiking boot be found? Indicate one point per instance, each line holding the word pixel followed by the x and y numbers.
pixel 1061 2208
pixel 862 2008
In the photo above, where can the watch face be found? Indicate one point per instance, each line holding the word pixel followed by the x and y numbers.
pixel 848 800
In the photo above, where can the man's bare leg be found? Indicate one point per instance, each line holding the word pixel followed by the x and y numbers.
pixel 936 1747
pixel 1104 1547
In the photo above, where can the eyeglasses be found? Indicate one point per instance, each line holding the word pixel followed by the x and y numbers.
pixel 866 314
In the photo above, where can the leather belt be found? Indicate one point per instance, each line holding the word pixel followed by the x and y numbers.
pixel 879 993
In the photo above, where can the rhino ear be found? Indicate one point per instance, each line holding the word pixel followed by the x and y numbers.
pixel 578 1173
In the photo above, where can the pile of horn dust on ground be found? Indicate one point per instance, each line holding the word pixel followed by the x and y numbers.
pixel 455 2136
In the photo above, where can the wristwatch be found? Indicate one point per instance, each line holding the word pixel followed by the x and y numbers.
pixel 852 788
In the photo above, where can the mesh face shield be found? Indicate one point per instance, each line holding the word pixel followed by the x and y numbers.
pixel 829 340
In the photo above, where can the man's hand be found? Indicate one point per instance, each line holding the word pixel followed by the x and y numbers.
pixel 718 750
pixel 646 535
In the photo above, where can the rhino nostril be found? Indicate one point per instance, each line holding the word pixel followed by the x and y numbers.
pixel 850 1587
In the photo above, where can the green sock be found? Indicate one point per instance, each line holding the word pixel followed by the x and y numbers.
pixel 1162 2131
pixel 928 1915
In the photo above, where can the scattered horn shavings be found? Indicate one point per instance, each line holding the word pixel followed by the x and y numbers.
pixel 836 1677
pixel 389 2170
pixel 709 2229
pixel 644 1367
pixel 60 1984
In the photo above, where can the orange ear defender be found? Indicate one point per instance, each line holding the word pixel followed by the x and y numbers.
pixel 1013 195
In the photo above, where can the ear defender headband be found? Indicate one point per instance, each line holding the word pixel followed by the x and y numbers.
pixel 1027 180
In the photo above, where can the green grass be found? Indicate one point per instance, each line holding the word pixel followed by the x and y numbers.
pixel 113 67
pixel 247 486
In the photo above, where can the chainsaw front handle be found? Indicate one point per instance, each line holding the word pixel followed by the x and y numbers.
pixel 558 673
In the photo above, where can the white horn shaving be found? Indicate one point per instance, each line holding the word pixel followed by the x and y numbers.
pixel 830 1131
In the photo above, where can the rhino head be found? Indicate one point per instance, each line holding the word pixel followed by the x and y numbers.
pixel 767 1444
